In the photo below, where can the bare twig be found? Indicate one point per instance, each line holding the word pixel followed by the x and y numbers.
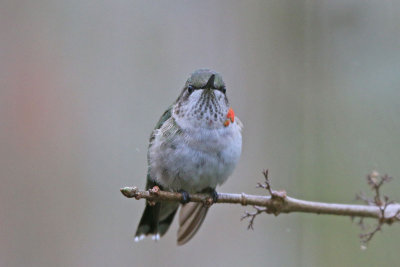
pixel 252 216
pixel 376 181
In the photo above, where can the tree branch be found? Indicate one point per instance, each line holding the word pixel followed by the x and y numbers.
pixel 275 206
pixel 385 211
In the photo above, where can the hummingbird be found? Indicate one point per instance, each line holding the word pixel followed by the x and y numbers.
pixel 194 147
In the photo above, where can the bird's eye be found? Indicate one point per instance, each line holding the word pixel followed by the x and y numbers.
pixel 190 89
pixel 223 89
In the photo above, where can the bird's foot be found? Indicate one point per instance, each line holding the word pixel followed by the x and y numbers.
pixel 185 196
pixel 213 196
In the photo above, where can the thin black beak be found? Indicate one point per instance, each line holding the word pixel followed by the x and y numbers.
pixel 210 83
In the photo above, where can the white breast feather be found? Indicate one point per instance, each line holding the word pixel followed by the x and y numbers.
pixel 195 159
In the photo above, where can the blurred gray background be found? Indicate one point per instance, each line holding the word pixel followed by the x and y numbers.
pixel 82 84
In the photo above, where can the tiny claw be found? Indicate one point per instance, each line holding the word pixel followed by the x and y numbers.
pixel 208 202
pixel 185 196
pixel 213 197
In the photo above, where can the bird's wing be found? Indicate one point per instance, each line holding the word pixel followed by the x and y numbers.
pixel 164 117
pixel 157 218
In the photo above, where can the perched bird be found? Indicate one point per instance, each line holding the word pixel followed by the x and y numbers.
pixel 194 147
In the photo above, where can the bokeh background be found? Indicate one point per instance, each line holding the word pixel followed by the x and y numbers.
pixel 82 84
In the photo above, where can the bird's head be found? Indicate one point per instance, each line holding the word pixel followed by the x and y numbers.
pixel 203 100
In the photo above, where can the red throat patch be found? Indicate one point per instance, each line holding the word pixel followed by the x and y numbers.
pixel 230 116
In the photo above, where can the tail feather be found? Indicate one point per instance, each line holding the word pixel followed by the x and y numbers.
pixel 191 216
pixel 166 223
pixel 156 220
pixel 149 222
